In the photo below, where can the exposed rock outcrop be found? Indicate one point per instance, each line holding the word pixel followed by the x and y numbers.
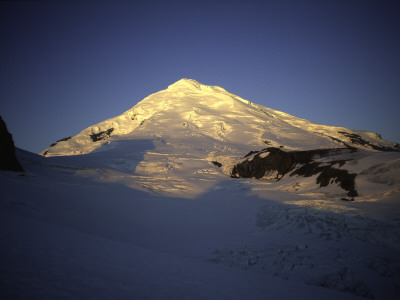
pixel 356 139
pixel 61 140
pixel 302 163
pixel 101 135
pixel 8 160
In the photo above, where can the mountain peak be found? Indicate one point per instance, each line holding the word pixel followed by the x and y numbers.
pixel 186 83
pixel 211 116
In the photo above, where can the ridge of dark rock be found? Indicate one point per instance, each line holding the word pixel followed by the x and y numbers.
pixel 299 163
pixel 8 160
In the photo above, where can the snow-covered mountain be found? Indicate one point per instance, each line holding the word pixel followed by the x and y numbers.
pixel 189 111
pixel 144 206
pixel 190 133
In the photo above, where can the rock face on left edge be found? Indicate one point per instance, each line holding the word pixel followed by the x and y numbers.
pixel 8 161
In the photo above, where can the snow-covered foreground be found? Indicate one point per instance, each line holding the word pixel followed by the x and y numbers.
pixel 68 235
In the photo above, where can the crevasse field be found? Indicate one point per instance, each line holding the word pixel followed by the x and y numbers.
pixel 136 207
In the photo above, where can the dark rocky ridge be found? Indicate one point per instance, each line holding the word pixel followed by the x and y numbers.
pixel 61 140
pixel 356 139
pixel 299 163
pixel 101 135
pixel 219 165
pixel 8 160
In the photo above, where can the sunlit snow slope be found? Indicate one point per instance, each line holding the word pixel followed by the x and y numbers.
pixel 190 112
pixel 175 138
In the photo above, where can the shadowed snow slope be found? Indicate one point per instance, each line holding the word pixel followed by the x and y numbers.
pixel 66 236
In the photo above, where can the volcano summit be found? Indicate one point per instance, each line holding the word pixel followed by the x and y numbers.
pixel 182 140
pixel 188 109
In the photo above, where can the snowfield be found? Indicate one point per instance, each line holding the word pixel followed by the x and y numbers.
pixel 143 206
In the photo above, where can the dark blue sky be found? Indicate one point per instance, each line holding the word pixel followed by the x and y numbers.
pixel 66 65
